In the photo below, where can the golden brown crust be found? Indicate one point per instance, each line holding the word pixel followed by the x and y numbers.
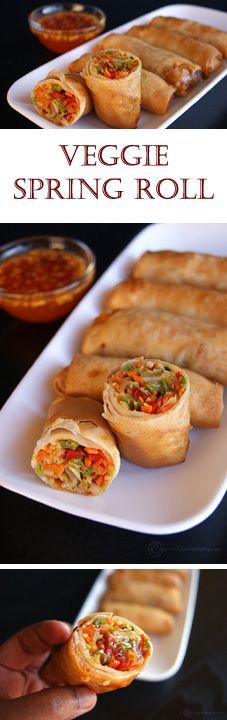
pixel 87 374
pixel 155 92
pixel 205 33
pixel 183 341
pixel 117 102
pixel 72 664
pixel 168 578
pixel 209 305
pixel 201 53
pixel 188 268
pixel 149 440
pixel 143 593
pixel 153 619
pixel 178 71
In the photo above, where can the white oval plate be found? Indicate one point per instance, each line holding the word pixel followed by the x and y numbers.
pixel 169 650
pixel 19 93
pixel 159 501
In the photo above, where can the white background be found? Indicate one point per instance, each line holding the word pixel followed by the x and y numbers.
pixel 36 153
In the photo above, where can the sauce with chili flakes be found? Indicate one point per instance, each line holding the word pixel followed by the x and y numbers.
pixel 68 20
pixel 40 271
pixel 67 29
pixel 34 284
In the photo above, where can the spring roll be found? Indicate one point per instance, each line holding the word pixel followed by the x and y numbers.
pixel 147 594
pixel 183 341
pixel 114 80
pixel 87 374
pixel 188 268
pixel 168 578
pixel 155 92
pixel 174 69
pixel 146 403
pixel 153 619
pixel 205 33
pixel 209 305
pixel 76 451
pixel 204 55
pixel 61 98
pixel 105 652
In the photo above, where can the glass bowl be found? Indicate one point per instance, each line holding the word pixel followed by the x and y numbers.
pixel 53 303
pixel 64 37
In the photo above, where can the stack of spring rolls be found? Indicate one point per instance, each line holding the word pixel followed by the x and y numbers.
pixel 143 68
pixel 173 312
pixel 151 598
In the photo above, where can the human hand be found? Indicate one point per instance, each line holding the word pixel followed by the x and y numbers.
pixel 23 693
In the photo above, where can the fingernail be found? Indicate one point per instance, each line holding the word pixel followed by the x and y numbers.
pixel 86 698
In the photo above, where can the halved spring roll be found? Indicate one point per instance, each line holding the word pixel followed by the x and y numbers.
pixel 61 98
pixel 146 594
pixel 87 374
pixel 174 69
pixel 188 268
pixel 205 33
pixel 76 451
pixel 207 304
pixel 146 402
pixel 184 341
pixel 153 619
pixel 155 92
pixel 168 578
pixel 204 55
pixel 114 80
pixel 105 652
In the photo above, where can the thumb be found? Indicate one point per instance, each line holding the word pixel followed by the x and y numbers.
pixel 66 703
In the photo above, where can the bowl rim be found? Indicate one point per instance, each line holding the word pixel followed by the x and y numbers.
pixel 82 7
pixel 31 294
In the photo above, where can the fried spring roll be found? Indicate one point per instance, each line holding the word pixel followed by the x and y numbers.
pixel 105 652
pixel 189 268
pixel 114 80
pixel 153 619
pixel 209 305
pixel 87 374
pixel 155 92
pixel 146 594
pixel 204 55
pixel 76 451
pixel 174 69
pixel 205 33
pixel 146 403
pixel 180 340
pixel 168 578
pixel 61 98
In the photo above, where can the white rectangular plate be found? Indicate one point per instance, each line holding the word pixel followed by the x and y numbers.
pixel 20 92
pixel 169 651
pixel 159 501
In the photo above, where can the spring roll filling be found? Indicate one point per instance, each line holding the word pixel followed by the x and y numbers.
pixel 116 646
pixel 114 65
pixel 57 105
pixel 66 462
pixel 148 386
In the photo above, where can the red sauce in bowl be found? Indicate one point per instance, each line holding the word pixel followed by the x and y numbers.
pixel 29 282
pixel 66 30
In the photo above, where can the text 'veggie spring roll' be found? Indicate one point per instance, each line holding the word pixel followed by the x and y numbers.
pixel 76 451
